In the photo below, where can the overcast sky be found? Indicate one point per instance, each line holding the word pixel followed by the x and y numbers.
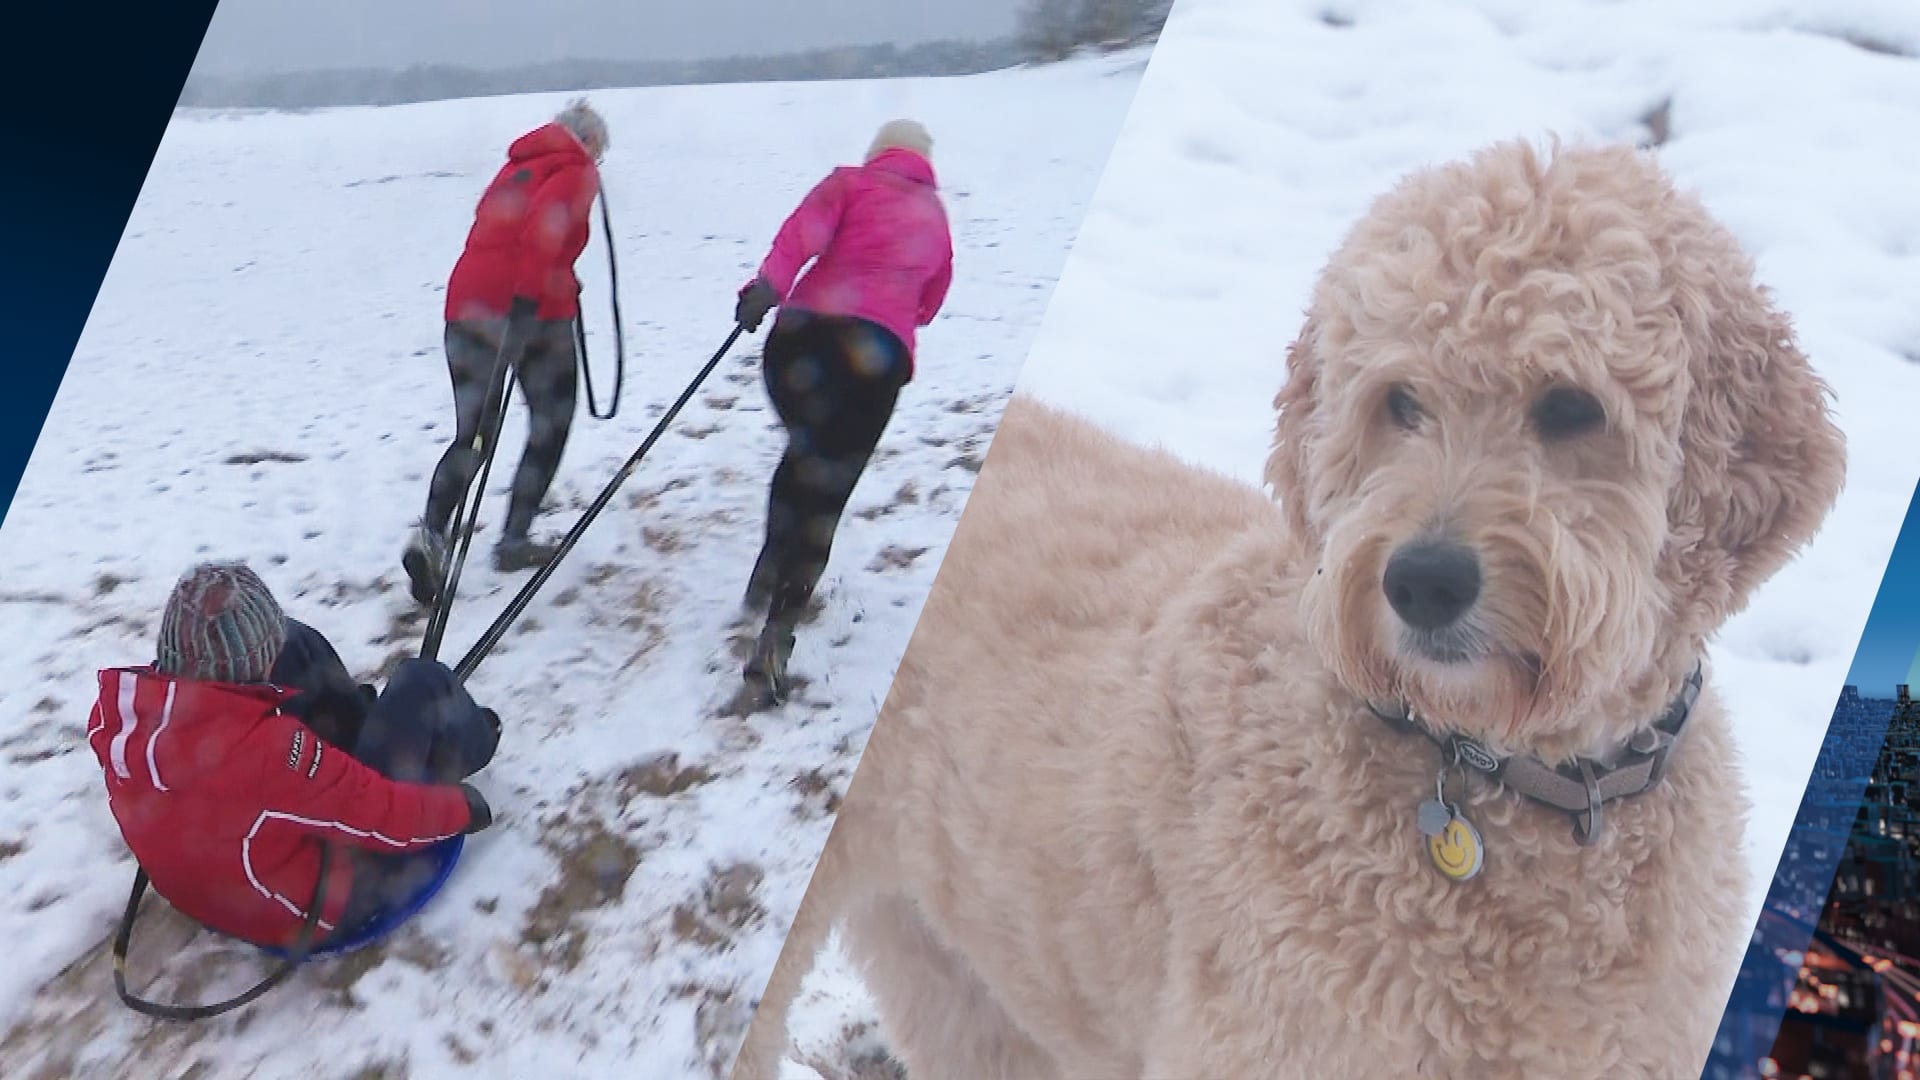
pixel 255 36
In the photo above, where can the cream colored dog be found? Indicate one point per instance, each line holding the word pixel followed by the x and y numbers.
pixel 1136 808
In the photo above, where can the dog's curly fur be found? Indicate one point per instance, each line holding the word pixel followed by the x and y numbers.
pixel 1126 812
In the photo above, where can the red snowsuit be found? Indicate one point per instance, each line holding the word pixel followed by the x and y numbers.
pixel 529 229
pixel 224 801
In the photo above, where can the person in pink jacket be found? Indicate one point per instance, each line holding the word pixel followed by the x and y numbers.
pixel 839 353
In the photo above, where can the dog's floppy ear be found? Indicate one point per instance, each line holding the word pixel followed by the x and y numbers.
pixel 1286 471
pixel 1762 461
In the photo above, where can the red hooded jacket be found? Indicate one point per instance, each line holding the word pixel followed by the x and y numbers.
pixel 225 800
pixel 529 229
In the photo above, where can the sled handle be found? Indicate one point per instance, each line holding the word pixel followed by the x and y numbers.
pixel 189 1013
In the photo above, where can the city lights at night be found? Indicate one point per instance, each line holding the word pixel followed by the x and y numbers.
pixel 1853 1009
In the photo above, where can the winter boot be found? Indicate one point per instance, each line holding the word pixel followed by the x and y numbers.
pixel 766 672
pixel 515 553
pixel 425 561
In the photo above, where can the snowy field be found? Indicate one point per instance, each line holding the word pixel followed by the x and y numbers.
pixel 262 378
pixel 1263 128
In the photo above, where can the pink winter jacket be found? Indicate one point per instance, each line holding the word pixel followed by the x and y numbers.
pixel 879 233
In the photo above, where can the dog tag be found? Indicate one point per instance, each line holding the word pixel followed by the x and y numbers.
pixel 1434 817
pixel 1456 852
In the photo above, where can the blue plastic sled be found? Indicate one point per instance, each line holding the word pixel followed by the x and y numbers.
pixel 388 921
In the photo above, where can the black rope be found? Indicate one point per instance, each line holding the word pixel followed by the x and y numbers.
pixel 466 513
pixel 520 601
pixel 303 944
pixel 619 334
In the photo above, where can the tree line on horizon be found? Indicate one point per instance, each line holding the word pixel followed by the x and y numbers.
pixel 1048 31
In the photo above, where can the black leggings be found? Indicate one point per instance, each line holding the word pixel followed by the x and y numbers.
pixel 545 370
pixel 834 381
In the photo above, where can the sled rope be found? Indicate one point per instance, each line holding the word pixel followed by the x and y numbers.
pixel 619 335
pixel 188 1013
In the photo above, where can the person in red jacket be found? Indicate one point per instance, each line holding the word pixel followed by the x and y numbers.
pixel 246 746
pixel 514 295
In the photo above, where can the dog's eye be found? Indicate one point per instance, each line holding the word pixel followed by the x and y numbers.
pixel 1404 410
pixel 1566 413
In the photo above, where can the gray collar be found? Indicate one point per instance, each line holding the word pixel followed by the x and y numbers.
pixel 1582 787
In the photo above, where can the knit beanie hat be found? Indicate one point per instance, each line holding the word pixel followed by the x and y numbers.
pixel 221 625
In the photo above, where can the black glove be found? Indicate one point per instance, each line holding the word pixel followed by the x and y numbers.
pixel 522 313
pixel 755 301
pixel 479 814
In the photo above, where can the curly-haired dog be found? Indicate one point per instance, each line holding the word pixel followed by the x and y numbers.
pixel 1175 782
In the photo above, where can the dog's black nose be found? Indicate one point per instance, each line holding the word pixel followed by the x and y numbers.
pixel 1431 584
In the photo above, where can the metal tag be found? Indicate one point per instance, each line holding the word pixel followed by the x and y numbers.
pixel 1456 851
pixel 1434 817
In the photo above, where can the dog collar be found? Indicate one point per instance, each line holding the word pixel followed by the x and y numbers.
pixel 1580 788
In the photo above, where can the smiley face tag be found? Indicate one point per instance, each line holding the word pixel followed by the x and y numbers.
pixel 1453 844
pixel 1457 851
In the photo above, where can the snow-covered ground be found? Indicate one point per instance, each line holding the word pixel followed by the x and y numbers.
pixel 262 378
pixel 1263 128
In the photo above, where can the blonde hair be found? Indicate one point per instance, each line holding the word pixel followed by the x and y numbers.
pixel 901 135
pixel 586 124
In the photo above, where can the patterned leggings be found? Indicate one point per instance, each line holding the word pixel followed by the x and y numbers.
pixel 834 382
pixel 546 373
